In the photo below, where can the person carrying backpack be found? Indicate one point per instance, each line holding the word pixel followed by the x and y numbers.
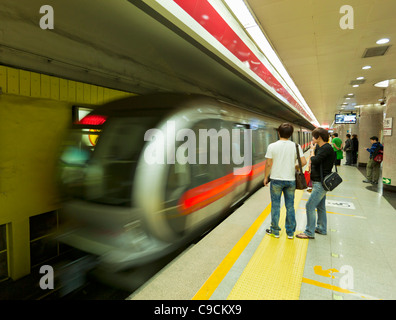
pixel 374 163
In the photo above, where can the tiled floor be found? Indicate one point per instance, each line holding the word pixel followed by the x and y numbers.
pixel 359 250
pixel 356 260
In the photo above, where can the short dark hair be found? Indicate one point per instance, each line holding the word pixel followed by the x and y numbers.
pixel 348 135
pixel 374 138
pixel 285 130
pixel 320 132
pixel 335 134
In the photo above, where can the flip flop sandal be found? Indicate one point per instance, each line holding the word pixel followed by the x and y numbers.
pixel 304 236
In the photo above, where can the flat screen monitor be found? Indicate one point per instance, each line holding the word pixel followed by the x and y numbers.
pixel 345 118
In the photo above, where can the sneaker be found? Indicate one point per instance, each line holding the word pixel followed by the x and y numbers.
pixel 269 232
pixel 291 237
pixel 374 182
pixel 366 181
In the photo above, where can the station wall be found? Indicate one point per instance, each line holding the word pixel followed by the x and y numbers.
pixel 35 112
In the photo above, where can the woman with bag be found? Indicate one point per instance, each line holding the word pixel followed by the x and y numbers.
pixel 322 154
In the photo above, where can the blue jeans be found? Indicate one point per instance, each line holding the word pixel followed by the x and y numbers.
pixel 317 200
pixel 288 188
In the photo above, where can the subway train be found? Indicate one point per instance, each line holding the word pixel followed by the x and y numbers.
pixel 145 175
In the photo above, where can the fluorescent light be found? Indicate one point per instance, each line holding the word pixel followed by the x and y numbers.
pixel 359 78
pixel 350 94
pixel 246 18
pixel 366 67
pixel 382 84
pixel 382 41
pixel 242 12
pixel 355 86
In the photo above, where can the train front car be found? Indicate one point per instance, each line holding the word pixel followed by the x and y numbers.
pixel 97 172
pixel 146 175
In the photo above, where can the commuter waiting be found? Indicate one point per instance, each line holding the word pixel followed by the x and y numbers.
pixel 322 158
pixel 373 165
pixel 355 146
pixel 348 148
pixel 337 146
pixel 280 167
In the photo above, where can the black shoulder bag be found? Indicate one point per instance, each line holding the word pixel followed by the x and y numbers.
pixel 331 181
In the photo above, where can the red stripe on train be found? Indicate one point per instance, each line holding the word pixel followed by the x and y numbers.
pixel 203 195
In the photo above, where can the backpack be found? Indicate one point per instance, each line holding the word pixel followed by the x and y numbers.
pixel 379 157
pixel 378 154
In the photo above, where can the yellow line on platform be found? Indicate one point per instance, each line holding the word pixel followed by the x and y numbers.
pixel 276 269
pixel 221 271
pixel 342 214
pixel 338 289
pixel 325 285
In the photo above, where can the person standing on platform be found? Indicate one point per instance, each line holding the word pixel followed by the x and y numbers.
pixel 348 148
pixel 322 155
pixel 280 168
pixel 373 167
pixel 355 146
pixel 337 146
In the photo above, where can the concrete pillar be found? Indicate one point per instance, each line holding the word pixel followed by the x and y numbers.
pixel 370 124
pixel 389 163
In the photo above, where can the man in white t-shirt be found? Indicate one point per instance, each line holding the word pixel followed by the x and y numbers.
pixel 280 167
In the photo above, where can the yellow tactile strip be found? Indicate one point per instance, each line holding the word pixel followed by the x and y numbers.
pixel 276 269
pixel 225 266
pixel 293 249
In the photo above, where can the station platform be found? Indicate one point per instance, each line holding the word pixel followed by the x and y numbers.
pixel 238 261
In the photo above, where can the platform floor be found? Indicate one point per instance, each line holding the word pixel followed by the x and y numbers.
pixel 356 260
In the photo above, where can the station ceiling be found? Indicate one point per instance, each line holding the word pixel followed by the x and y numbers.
pixel 322 58
pixel 126 45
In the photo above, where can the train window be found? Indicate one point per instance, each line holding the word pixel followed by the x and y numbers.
pixel 205 169
pixel 179 178
pixel 103 172
pixel 259 142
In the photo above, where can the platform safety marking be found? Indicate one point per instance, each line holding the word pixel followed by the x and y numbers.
pixel 276 268
pixel 338 289
pixel 208 288
pixel 340 204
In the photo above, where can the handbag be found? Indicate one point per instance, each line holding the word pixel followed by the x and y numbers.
pixel 301 183
pixel 331 181
pixel 307 176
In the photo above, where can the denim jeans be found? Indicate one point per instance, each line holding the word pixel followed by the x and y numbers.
pixel 317 200
pixel 288 188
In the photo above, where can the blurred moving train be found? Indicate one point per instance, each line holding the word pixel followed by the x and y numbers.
pixel 127 211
